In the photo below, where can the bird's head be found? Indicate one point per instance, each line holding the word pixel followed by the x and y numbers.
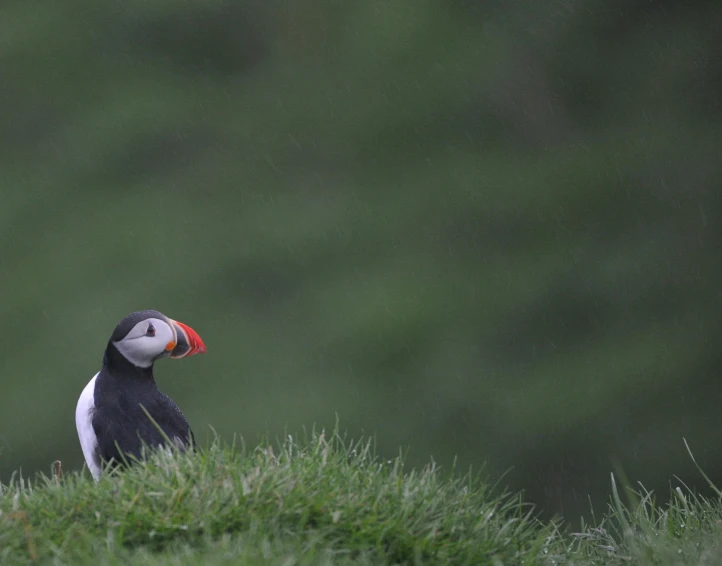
pixel 146 336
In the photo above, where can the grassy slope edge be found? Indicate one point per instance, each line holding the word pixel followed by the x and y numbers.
pixel 327 501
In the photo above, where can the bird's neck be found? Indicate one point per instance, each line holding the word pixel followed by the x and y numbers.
pixel 118 365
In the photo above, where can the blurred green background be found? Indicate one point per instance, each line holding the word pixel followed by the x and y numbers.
pixel 488 230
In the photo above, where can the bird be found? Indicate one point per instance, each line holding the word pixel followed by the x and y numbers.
pixel 112 413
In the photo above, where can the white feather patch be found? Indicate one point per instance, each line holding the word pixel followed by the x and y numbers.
pixel 142 350
pixel 84 424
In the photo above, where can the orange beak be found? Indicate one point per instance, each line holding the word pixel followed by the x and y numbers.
pixel 188 343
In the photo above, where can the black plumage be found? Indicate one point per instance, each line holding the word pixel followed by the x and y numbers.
pixel 122 390
pixel 121 410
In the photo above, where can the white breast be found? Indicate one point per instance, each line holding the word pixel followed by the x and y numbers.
pixel 84 423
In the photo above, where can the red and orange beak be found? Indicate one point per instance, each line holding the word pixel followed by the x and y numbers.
pixel 187 343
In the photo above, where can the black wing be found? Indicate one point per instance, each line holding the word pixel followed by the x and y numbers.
pixel 125 428
pixel 174 424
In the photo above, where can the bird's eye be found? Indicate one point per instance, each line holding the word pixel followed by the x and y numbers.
pixel 150 331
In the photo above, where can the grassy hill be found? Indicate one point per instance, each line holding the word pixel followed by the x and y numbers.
pixel 326 500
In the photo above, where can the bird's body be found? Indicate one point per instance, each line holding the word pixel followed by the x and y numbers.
pixel 112 414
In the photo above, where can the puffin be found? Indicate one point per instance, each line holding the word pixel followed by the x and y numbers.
pixel 112 412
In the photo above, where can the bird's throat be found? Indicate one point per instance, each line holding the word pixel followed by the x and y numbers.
pixel 117 365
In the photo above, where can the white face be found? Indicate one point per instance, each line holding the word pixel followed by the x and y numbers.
pixel 147 341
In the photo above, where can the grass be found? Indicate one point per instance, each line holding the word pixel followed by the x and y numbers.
pixel 685 530
pixel 327 501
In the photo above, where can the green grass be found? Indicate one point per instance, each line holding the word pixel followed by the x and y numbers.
pixel 685 530
pixel 327 501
